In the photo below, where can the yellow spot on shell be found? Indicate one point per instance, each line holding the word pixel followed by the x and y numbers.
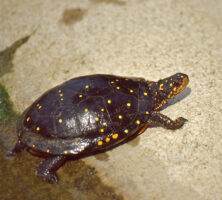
pixel 126 79
pixel 126 131
pixel 168 121
pixel 39 106
pixel 115 136
pixel 60 121
pixel 117 80
pixel 80 96
pixel 104 123
pixel 86 110
pixel 100 143
pixel 60 91
pixel 47 151
pixel 97 119
pixel 19 134
pixel 174 89
pixel 61 99
pixel 37 128
pixel 107 139
pixel 145 93
pixel 128 104
pixel 109 101
pixel 86 86
pixel 102 130
pixel 65 152
pixel 33 146
pixel 112 82
pixel 147 113
pixel 117 87
pixel 28 119
pixel 82 148
pixel 61 95
pixel 138 121
pixel 120 116
pixel 102 109
pixel 131 91
pixel 171 84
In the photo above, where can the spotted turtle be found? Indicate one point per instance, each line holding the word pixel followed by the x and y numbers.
pixel 91 113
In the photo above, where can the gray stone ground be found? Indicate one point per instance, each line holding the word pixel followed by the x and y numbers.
pixel 152 39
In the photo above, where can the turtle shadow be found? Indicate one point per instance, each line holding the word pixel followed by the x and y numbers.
pixel 186 92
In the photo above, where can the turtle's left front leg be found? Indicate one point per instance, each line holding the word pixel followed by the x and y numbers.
pixel 47 169
pixel 158 119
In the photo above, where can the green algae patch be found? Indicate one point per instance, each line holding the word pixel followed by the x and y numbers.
pixel 7 55
pixel 6 106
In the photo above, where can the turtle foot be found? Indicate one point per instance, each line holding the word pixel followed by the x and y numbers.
pixel 47 176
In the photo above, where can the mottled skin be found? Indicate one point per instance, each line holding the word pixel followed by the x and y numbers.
pixel 92 113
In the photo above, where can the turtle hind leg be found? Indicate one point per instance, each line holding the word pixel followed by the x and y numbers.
pixel 46 170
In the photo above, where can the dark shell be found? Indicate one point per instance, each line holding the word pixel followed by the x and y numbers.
pixel 86 114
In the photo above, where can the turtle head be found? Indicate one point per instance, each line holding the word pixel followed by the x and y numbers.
pixel 168 88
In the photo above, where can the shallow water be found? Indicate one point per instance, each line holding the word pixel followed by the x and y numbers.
pixel 18 180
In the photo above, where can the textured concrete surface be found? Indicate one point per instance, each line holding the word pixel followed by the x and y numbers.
pixel 152 39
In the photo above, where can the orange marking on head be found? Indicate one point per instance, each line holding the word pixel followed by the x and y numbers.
pixel 161 87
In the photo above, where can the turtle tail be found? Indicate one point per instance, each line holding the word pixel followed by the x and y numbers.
pixel 18 148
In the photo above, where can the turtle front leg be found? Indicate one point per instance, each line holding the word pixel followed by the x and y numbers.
pixel 159 119
pixel 46 170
